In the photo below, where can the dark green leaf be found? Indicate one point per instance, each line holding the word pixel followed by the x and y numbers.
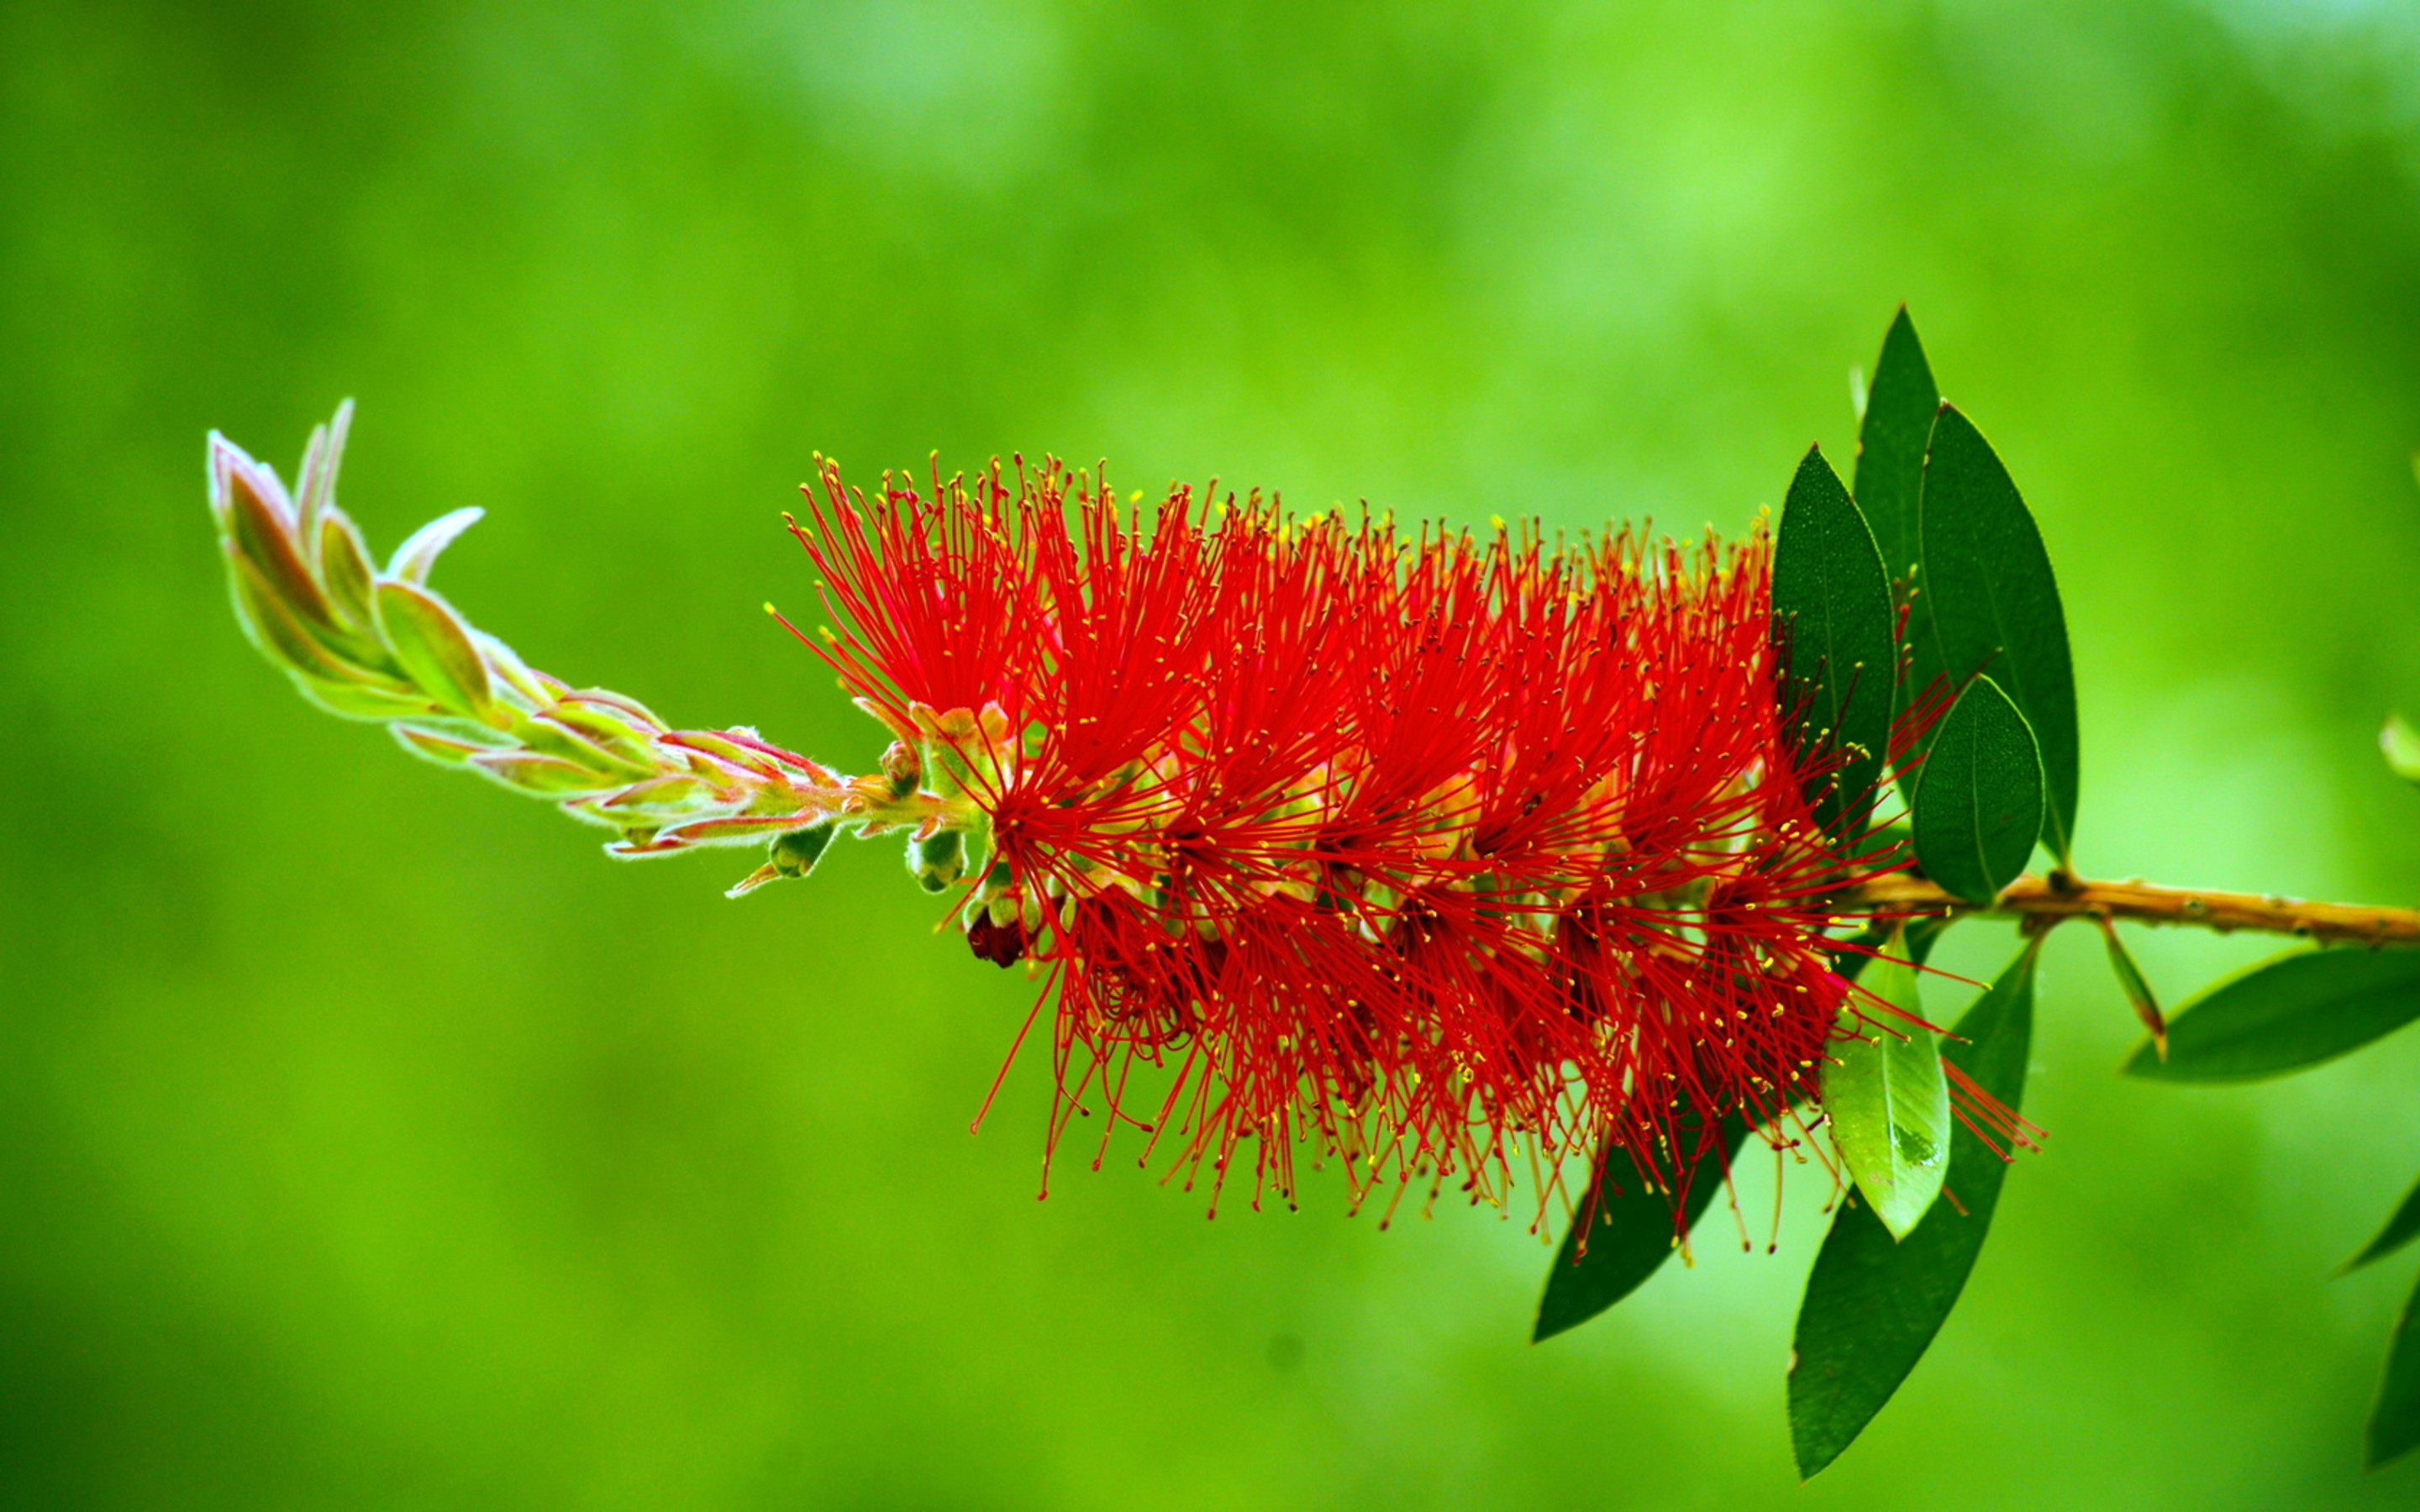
pixel 2288 1012
pixel 1979 796
pixel 2395 1421
pixel 1890 446
pixel 1832 612
pixel 1918 935
pixel 1886 1101
pixel 1632 1238
pixel 1986 601
pixel 1874 1305
pixel 2400 1232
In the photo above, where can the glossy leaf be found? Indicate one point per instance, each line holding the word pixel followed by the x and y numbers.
pixel 1979 796
pixel 1874 1305
pixel 2395 1421
pixel 1630 1239
pixel 1832 615
pixel 2400 1230
pixel 1986 601
pixel 2285 1013
pixel 1898 422
pixel 1888 1100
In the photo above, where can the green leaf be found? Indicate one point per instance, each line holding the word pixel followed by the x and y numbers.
pixel 1986 601
pixel 2285 1013
pixel 2401 744
pixel 2400 1230
pixel 435 649
pixel 2395 1421
pixel 1916 937
pixel 1632 1238
pixel 2136 986
pixel 1890 445
pixel 344 567
pixel 419 552
pixel 1874 1305
pixel 1832 612
pixel 1979 796
pixel 547 776
pixel 1887 1101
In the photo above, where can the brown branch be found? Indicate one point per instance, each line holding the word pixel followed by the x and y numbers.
pixel 2058 897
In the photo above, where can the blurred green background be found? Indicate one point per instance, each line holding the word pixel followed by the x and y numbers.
pixel 367 1141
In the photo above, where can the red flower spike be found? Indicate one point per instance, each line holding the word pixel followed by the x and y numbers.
pixel 1443 856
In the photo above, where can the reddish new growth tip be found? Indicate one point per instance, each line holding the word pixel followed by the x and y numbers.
pixel 1434 853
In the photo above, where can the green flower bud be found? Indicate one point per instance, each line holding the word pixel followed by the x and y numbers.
pixel 795 852
pixel 939 859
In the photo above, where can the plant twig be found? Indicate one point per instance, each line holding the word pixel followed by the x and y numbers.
pixel 2059 896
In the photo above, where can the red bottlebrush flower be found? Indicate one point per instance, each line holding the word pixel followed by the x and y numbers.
pixel 1437 853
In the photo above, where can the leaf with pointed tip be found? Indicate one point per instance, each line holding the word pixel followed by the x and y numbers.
pixel 1833 616
pixel 2395 1421
pixel 548 775
pixel 2285 1013
pixel 414 559
pixel 261 533
pixel 1986 601
pixel 1632 1236
pixel 1888 1100
pixel 1890 444
pixel 344 570
pixel 314 490
pixel 1874 1304
pixel 435 649
pixel 2400 1230
pixel 1979 796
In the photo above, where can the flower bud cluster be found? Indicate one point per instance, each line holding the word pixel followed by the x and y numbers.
pixel 380 644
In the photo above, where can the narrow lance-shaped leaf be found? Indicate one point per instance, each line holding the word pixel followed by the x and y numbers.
pixel 1887 1100
pixel 1874 1304
pixel 433 647
pixel 1986 601
pixel 2395 1421
pixel 1832 615
pixel 2400 1230
pixel 1978 796
pixel 414 559
pixel 1632 1236
pixel 2136 986
pixel 1890 444
pixel 2285 1013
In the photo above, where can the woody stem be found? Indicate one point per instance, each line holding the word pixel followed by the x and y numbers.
pixel 2062 896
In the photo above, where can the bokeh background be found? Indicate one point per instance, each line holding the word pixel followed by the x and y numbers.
pixel 367 1141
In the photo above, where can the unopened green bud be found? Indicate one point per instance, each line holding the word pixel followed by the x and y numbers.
pixel 939 859
pixel 795 852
